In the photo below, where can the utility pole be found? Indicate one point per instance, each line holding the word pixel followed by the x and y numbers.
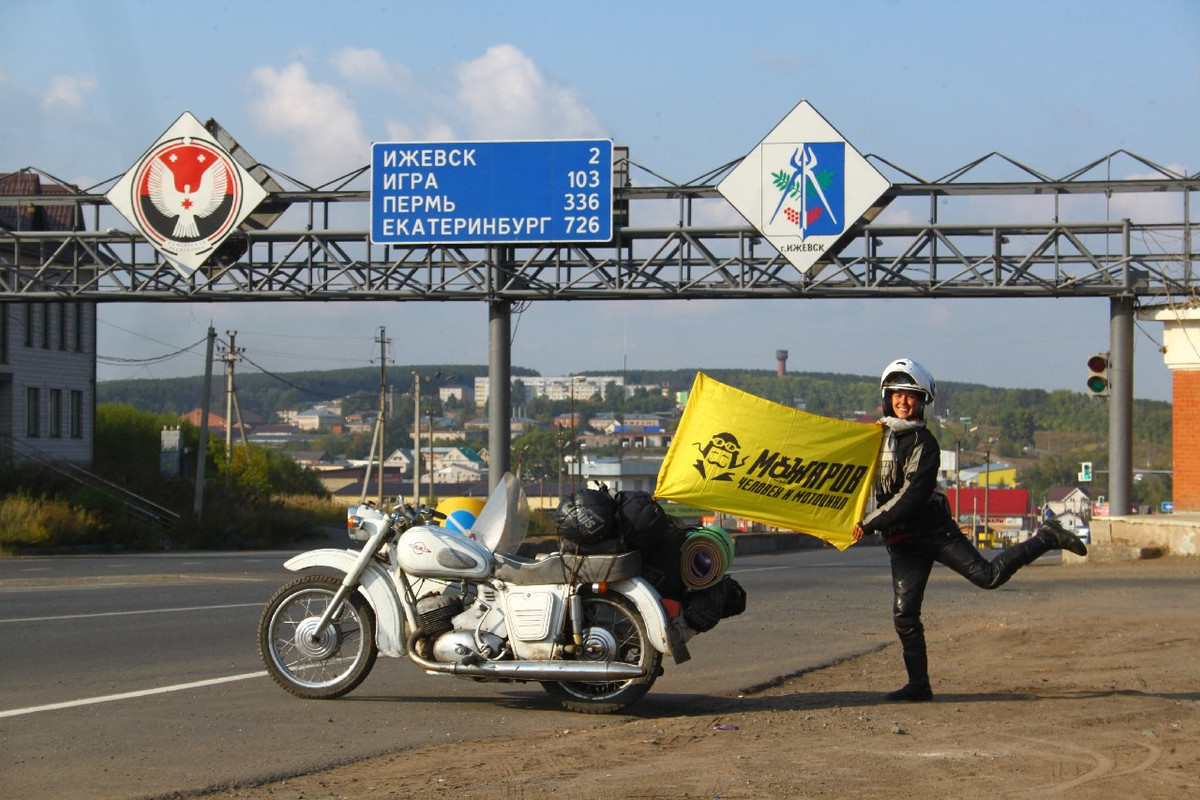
pixel 432 381
pixel 230 358
pixel 575 466
pixel 416 439
pixel 987 487
pixel 432 471
pixel 202 448
pixel 383 343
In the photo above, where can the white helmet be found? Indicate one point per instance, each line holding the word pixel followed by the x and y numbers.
pixel 904 373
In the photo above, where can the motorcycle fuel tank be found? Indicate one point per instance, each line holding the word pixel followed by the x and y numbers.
pixel 428 551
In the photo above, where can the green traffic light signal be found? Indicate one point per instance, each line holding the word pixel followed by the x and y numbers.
pixel 1097 381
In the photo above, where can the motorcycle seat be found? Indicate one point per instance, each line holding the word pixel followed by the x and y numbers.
pixel 559 568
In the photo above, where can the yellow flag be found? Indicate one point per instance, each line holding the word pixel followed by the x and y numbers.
pixel 742 455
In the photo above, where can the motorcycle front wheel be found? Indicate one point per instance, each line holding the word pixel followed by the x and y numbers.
pixel 316 667
pixel 612 631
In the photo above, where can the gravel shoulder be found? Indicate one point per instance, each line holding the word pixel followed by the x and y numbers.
pixel 1082 683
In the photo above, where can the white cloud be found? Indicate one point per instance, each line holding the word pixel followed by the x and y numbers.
pixel 319 119
pixel 501 94
pixel 369 67
pixel 435 131
pixel 67 92
pixel 507 95
pixel 1144 207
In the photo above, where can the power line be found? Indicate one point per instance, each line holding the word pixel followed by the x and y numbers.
pixel 297 387
pixel 117 360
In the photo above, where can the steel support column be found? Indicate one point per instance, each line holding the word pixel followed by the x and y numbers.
pixel 1120 406
pixel 499 390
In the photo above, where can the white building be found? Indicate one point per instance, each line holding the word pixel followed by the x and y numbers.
pixel 47 349
pixel 622 474
pixel 456 473
pixel 581 387
pixel 48 380
pixel 1063 500
pixel 317 419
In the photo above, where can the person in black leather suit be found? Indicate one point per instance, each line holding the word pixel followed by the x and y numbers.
pixel 916 524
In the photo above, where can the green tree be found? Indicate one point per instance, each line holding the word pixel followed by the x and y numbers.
pixel 1017 426
pixel 128 442
pixel 539 453
pixel 1152 490
pixel 266 472
pixel 1056 469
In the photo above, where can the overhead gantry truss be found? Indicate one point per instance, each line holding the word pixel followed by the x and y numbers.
pixel 304 257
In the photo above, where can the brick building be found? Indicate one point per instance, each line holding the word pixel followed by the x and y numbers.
pixel 1181 352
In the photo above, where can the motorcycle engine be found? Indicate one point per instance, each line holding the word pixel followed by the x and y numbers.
pixel 435 613
pixel 441 641
pixel 460 646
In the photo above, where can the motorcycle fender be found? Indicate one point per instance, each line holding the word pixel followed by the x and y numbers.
pixel 649 605
pixel 375 585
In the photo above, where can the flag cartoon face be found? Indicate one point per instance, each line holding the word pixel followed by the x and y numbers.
pixel 746 456
pixel 719 456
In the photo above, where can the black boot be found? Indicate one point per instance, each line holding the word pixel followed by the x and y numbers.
pixel 1059 538
pixel 1013 558
pixel 917 690
pixel 1051 536
pixel 911 693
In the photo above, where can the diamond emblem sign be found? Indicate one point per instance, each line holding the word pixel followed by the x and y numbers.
pixel 804 188
pixel 186 194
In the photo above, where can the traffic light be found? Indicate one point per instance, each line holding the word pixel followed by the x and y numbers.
pixel 1097 380
pixel 1085 471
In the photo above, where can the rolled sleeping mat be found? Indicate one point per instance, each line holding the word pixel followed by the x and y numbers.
pixel 706 555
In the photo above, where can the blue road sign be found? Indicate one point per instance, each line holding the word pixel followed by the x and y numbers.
pixel 491 192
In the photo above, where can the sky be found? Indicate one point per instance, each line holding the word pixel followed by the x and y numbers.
pixel 306 87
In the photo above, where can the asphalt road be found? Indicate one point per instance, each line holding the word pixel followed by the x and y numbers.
pixel 138 675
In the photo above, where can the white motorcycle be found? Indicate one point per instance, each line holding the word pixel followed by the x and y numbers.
pixel 589 628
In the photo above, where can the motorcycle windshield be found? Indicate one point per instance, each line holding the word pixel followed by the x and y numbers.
pixel 501 525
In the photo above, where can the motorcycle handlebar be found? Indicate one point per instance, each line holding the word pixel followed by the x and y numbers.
pixel 409 515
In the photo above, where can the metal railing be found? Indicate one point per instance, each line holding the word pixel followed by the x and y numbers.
pixel 14 451
pixel 304 256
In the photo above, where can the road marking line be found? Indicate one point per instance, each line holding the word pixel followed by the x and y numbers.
pixel 127 613
pixel 760 569
pixel 108 698
pixel 80 584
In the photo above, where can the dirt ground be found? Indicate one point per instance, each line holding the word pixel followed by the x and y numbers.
pixel 1090 692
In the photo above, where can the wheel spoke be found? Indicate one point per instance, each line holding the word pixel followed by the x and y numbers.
pixel 610 634
pixel 312 664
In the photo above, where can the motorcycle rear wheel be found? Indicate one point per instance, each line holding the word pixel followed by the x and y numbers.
pixel 322 667
pixel 612 631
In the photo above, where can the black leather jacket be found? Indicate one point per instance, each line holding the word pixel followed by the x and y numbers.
pixel 907 500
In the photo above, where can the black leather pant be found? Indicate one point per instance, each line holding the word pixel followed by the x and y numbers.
pixel 912 562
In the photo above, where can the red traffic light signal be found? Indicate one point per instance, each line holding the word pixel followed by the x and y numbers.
pixel 1097 380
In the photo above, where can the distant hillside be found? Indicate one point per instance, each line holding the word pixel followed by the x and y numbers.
pixel 266 393
pixel 1012 415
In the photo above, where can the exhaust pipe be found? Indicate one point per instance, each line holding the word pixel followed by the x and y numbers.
pixel 599 671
